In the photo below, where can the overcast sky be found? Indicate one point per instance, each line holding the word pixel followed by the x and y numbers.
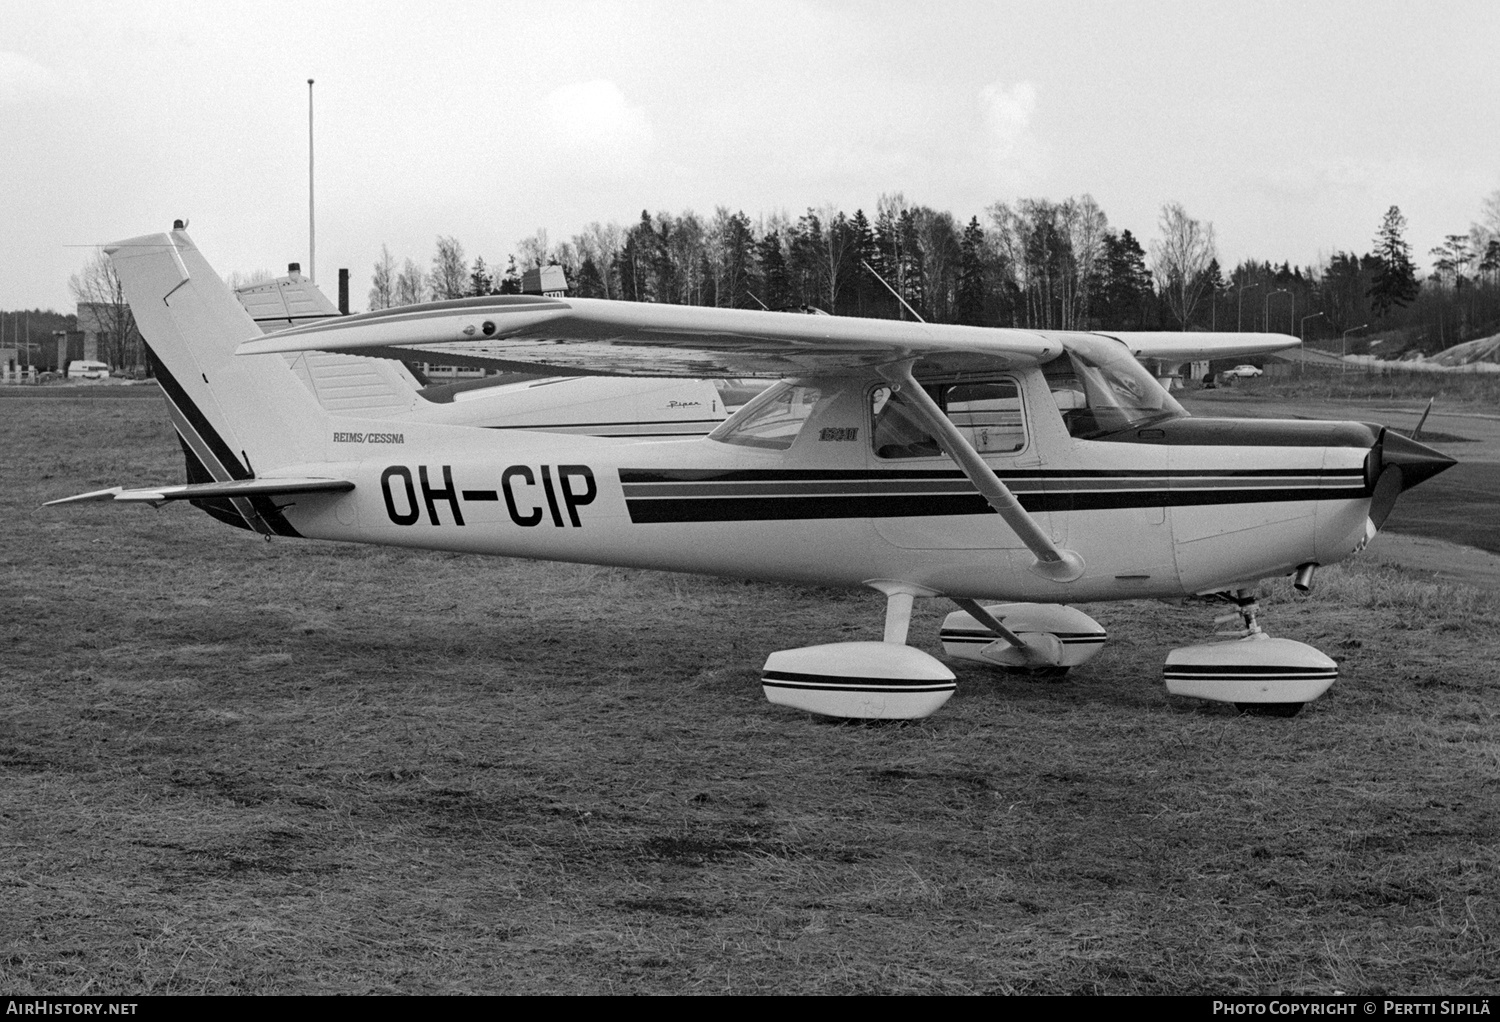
pixel 1291 126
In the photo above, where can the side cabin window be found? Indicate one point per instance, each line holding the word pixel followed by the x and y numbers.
pixel 772 419
pixel 987 413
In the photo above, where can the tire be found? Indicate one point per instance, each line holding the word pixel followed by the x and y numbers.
pixel 1056 673
pixel 1270 709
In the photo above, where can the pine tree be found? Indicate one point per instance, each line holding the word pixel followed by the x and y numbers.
pixel 590 281
pixel 970 304
pixel 480 281
pixel 778 290
pixel 1127 282
pixel 866 289
pixel 1395 282
pixel 511 283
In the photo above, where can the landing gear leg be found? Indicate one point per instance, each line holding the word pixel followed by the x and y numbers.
pixel 1246 610
pixel 898 616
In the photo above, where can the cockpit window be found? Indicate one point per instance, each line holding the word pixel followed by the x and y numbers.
pixel 896 432
pixel 773 419
pixel 1100 389
pixel 987 413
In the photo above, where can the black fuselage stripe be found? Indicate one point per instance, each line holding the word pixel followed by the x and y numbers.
pixel 836 686
pixel 613 424
pixel 1206 672
pixel 747 509
pixel 194 419
pixel 1058 486
pixel 643 475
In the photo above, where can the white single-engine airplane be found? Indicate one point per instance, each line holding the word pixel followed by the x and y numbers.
pixel 919 460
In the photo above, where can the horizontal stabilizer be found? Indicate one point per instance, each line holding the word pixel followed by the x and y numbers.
pixel 207 491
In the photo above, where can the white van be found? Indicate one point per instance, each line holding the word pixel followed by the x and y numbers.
pixel 85 369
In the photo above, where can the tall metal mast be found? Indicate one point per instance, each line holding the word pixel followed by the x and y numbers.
pixel 312 230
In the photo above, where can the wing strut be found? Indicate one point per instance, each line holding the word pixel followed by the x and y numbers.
pixel 1052 561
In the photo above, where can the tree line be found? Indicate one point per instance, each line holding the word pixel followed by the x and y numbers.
pixel 1035 263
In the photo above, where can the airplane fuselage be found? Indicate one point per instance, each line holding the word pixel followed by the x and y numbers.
pixel 1174 507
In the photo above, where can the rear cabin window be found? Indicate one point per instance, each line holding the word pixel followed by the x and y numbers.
pixel 773 419
pixel 988 414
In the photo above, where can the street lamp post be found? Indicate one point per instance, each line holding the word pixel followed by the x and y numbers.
pixel 1303 334
pixel 1240 314
pixel 1344 346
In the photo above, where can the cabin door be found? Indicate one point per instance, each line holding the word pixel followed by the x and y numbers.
pixel 920 500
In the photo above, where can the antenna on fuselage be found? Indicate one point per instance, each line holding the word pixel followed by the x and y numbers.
pixel 1416 433
pixel 893 291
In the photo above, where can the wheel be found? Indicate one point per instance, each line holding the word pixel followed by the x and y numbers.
pixel 1054 673
pixel 1270 709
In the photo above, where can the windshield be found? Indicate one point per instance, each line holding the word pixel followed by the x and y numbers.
pixel 1101 389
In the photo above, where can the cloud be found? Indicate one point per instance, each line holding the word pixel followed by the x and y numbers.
pixel 1007 113
pixel 1012 146
pixel 22 79
pixel 594 122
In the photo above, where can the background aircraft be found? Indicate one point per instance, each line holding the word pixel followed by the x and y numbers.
pixel 395 388
pixel 922 461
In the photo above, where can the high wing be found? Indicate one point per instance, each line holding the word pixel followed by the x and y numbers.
pixel 1186 346
pixel 207 491
pixel 597 337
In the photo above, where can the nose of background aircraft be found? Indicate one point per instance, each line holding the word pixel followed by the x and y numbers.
pixel 1395 464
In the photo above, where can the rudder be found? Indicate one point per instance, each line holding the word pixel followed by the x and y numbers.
pixel 236 416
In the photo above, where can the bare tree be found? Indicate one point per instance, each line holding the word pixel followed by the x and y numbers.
pixel 411 284
pixel 238 279
pixel 1489 217
pixel 601 245
pixel 450 270
pixel 1180 260
pixel 565 254
pixel 890 208
pixel 383 281
pixel 938 244
pixel 836 246
pixel 534 250
pixel 729 251
pixel 102 308
pixel 1035 251
pixel 1085 226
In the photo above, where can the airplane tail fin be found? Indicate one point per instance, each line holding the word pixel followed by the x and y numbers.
pixel 236 417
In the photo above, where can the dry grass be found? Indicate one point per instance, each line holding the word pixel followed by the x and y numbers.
pixel 1474 390
pixel 232 766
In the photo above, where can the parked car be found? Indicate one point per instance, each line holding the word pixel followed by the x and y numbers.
pixel 1245 371
pixel 87 369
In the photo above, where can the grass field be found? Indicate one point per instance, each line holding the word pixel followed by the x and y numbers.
pixel 1477 390
pixel 235 766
